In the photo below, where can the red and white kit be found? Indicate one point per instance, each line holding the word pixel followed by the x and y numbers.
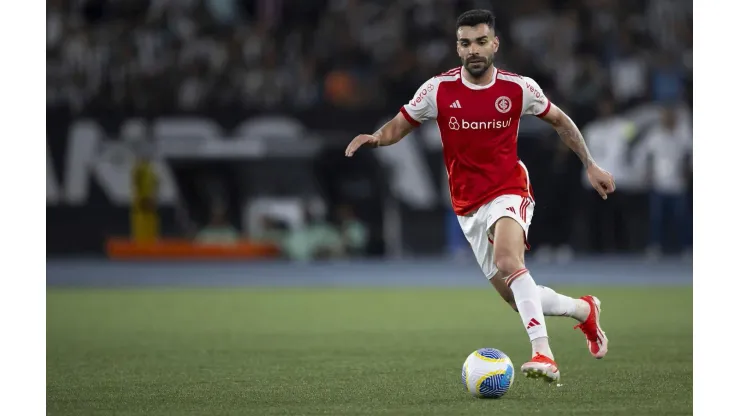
pixel 479 125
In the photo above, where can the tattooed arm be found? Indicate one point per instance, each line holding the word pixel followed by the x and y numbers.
pixel 569 133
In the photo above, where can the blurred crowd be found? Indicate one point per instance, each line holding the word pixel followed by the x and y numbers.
pixel 192 54
pixel 621 68
pixel 308 234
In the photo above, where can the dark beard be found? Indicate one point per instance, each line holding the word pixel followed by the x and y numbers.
pixel 476 69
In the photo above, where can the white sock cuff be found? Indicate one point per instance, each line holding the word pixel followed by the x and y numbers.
pixel 517 274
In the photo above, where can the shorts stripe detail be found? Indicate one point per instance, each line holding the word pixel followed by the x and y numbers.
pixel 515 276
pixel 526 173
pixel 523 209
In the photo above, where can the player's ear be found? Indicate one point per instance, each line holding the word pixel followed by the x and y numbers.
pixel 495 43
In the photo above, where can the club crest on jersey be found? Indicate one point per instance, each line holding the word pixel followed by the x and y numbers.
pixel 503 104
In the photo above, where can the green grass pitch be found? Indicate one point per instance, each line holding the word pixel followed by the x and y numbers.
pixel 352 352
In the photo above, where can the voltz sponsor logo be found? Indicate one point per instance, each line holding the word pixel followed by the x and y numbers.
pixel 463 124
pixel 427 89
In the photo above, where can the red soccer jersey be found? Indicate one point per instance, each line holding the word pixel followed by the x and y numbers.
pixel 479 125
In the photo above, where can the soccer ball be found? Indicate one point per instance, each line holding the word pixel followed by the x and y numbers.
pixel 488 373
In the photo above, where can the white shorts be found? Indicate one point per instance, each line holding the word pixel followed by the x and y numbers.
pixel 477 226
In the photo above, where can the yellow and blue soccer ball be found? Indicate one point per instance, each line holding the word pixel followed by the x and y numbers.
pixel 488 373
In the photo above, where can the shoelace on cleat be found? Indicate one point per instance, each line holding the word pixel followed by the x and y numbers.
pixel 590 336
pixel 541 358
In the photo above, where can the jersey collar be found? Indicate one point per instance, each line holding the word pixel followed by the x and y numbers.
pixel 474 86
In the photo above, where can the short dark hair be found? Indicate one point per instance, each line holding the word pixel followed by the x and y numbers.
pixel 476 17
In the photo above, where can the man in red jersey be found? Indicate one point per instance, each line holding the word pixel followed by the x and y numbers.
pixel 477 108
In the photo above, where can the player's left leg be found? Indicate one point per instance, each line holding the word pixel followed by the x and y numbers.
pixel 508 256
pixel 586 311
pixel 553 303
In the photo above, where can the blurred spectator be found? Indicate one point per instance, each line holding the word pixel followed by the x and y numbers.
pixel 608 139
pixel 341 88
pixel 629 73
pixel 590 83
pixel 145 186
pixel 317 239
pixel 668 80
pixel 354 232
pixel 666 150
pixel 559 195
pixel 223 11
pixel 272 231
pixel 533 25
pixel 218 230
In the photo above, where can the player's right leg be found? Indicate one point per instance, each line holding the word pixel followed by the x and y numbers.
pixel 497 233
pixel 586 310
pixel 508 257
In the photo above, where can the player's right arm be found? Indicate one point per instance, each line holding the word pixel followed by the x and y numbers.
pixel 422 107
pixel 391 133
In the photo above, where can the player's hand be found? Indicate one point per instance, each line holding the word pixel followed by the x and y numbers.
pixel 601 180
pixel 361 140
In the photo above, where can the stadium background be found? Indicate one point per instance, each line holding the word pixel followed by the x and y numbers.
pixel 240 111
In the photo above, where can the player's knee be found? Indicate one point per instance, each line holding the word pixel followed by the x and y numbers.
pixel 507 263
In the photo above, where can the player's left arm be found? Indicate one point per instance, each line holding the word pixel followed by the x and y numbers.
pixel 570 134
pixel 536 103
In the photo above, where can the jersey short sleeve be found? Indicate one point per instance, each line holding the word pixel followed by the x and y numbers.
pixel 423 105
pixel 534 101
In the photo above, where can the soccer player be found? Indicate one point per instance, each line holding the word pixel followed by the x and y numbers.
pixel 477 108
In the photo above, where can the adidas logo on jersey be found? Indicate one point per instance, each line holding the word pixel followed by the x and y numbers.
pixel 456 104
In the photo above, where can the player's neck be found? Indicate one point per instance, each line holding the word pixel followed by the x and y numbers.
pixel 484 79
